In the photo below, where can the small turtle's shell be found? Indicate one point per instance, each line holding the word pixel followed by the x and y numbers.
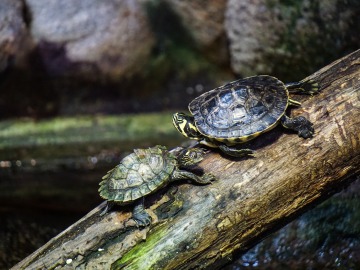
pixel 240 110
pixel 138 175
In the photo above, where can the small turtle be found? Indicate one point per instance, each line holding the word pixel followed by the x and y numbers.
pixel 241 110
pixel 145 171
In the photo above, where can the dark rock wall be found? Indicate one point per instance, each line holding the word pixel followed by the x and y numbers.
pixel 93 56
pixel 290 38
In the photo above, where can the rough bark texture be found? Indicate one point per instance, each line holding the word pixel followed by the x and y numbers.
pixel 202 226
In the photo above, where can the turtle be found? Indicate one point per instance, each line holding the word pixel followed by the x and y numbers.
pixel 239 111
pixel 145 171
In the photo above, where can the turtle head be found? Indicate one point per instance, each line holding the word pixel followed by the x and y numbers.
pixel 190 156
pixel 186 126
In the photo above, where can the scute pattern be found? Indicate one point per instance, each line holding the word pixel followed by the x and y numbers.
pixel 137 175
pixel 241 108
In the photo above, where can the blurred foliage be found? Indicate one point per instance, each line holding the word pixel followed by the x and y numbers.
pixel 66 135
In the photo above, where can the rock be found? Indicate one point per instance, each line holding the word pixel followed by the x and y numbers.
pixel 248 25
pixel 12 31
pixel 91 38
pixel 204 19
pixel 289 39
pixel 205 22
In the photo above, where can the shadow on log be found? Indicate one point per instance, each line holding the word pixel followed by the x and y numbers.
pixel 203 226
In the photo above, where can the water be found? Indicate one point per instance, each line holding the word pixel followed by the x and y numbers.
pixel 326 237
pixel 37 206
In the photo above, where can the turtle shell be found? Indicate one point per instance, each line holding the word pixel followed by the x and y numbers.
pixel 240 110
pixel 138 174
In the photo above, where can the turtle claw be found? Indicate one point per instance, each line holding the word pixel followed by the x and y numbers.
pixel 140 216
pixel 306 131
pixel 305 127
pixel 208 178
pixel 300 124
pixel 307 87
pixel 142 219
pixel 306 134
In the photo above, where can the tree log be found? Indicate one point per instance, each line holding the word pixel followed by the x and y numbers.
pixel 202 226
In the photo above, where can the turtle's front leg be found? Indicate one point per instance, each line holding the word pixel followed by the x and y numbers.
pixel 141 217
pixel 300 124
pixel 206 178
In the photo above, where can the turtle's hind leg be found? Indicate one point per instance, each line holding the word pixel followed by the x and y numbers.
pixel 300 124
pixel 235 152
pixel 230 150
pixel 141 217
pixel 308 87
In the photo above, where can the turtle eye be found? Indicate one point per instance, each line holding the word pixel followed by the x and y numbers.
pixel 195 155
pixel 192 154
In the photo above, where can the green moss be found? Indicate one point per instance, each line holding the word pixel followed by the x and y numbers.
pixel 141 253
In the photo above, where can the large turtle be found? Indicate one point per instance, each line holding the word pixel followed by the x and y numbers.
pixel 241 110
pixel 146 170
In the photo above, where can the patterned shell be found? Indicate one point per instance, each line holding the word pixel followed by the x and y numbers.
pixel 241 108
pixel 137 175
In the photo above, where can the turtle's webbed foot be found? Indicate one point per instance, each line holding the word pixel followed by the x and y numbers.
pixel 142 219
pixel 308 87
pixel 300 124
pixel 306 129
pixel 208 178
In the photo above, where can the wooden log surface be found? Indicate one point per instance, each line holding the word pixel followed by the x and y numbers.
pixel 200 227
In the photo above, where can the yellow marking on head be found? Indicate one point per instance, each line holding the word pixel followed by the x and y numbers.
pixel 179 123
pixel 192 127
pixel 181 128
pixel 185 125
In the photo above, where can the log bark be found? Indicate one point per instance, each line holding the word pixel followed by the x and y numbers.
pixel 200 227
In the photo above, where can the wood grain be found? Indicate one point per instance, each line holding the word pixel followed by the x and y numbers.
pixel 200 227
